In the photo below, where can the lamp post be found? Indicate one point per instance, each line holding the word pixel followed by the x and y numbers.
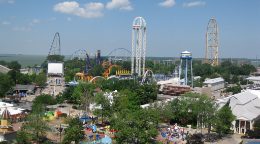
pixel 60 129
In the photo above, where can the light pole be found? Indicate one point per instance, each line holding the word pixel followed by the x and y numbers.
pixel 60 129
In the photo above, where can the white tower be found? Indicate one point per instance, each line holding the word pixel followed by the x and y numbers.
pixel 138 46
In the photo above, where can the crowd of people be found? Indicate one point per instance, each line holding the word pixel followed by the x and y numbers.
pixel 174 134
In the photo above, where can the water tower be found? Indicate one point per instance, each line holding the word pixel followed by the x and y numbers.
pixel 186 67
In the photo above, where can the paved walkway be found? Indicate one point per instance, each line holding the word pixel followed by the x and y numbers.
pixel 230 139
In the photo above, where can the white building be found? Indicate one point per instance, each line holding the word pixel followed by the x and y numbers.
pixel 56 69
pixel 245 106
pixel 254 79
pixel 215 84
pixel 4 69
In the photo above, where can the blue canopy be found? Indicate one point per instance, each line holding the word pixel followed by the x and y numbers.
pixel 106 140
pixel 94 128
pixel 85 118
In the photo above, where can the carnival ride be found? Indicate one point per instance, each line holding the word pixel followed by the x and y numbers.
pixel 148 77
pixel 82 54
pixel 108 66
pixel 138 46
pixel 79 54
pixel 118 71
pixel 55 45
pixel 212 43
pixel 119 54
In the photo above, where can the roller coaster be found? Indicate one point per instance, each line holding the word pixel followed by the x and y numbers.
pixel 119 54
pixel 55 45
pixel 82 54
pixel 111 70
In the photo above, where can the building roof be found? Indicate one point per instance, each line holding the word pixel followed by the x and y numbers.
pixel 4 105
pixel 215 80
pixel 254 78
pixel 244 105
pixel 4 69
pixel 24 87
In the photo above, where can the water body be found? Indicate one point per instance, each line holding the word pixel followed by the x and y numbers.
pixel 24 60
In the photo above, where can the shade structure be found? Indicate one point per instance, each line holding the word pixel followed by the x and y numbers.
pixel 106 140
pixel 85 118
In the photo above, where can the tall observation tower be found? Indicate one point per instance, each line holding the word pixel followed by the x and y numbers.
pixel 212 43
pixel 138 46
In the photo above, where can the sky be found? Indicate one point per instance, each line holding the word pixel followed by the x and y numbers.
pixel 173 26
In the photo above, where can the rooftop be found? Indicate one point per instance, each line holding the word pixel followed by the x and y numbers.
pixel 215 80
pixel 24 87
pixel 4 69
pixel 254 78
pixel 244 105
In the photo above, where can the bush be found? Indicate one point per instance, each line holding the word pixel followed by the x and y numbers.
pixel 74 107
pixel 44 99
pixel 63 115
pixel 255 134
pixel 196 139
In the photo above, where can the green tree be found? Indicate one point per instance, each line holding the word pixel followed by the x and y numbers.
pixel 203 70
pixel 74 132
pixel 83 94
pixel 41 79
pixel 139 126
pixel 257 124
pixel 191 108
pixel 14 65
pixel 246 69
pixel 235 89
pixel 106 108
pixel 44 99
pixel 23 137
pixel 97 70
pixel 55 58
pixel 5 84
pixel 146 93
pixel 223 120
pixel 35 126
pixel 67 95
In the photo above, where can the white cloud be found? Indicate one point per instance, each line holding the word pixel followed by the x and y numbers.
pixel 119 4
pixel 91 10
pixel 34 22
pixel 6 23
pixel 194 4
pixel 7 1
pixel 167 3
pixel 22 29
pixel 94 6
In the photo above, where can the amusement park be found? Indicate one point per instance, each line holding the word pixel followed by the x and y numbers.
pixel 124 96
